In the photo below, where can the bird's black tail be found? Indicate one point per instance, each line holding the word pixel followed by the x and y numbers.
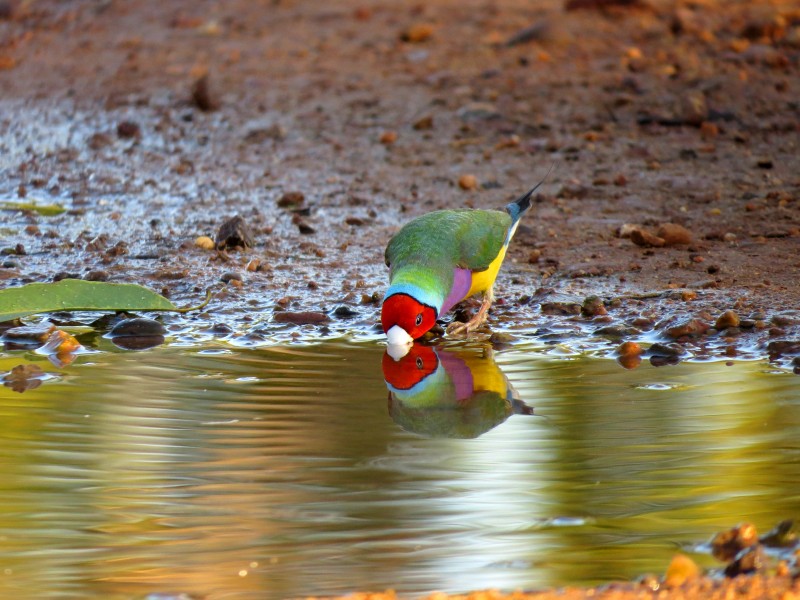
pixel 518 207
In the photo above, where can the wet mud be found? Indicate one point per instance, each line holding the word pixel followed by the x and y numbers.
pixel 269 150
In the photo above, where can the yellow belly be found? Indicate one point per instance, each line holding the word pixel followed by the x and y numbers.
pixel 484 280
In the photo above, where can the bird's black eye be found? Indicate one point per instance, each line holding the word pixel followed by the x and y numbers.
pixel 419 320
pixel 420 364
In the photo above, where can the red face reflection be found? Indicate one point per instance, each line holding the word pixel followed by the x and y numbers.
pixel 415 366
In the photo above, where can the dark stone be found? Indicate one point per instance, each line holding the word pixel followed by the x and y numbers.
pixel 659 349
pixel 536 32
pixel 230 276
pixel 128 130
pixel 98 141
pixel 749 561
pixel 202 96
pixel 33 335
pixel 234 233
pixel 305 228
pixel 593 306
pixel 617 331
pixel 97 276
pixel 780 536
pixel 345 312
pixel 690 328
pixel 726 545
pixel 561 308
pixel 779 347
pixel 664 361
pixel 291 200
pixel 221 329
pixel 64 275
pixel 142 342
pixel 301 318
pixel 137 327
pixel 502 338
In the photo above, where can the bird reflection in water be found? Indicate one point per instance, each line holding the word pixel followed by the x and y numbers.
pixel 449 393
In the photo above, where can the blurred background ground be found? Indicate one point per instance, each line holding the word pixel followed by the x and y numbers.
pixel 653 113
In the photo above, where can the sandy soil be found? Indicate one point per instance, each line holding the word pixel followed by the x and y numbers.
pixel 327 125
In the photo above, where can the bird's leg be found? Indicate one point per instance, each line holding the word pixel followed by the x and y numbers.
pixel 476 321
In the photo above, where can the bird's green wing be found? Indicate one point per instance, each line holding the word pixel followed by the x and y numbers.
pixel 481 235
pixel 468 239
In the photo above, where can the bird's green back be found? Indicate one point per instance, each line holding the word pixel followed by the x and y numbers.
pixel 445 239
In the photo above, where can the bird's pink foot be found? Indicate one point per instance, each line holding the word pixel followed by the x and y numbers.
pixel 459 329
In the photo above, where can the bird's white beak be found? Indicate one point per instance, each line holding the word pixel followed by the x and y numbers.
pixel 399 342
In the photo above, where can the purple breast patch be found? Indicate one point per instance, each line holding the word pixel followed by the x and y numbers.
pixel 462 281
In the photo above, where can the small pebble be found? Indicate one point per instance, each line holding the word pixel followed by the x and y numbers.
pixel 642 237
pixel 727 544
pixel 128 130
pixel 666 350
pixel 764 163
pixel 727 319
pixel 98 275
pixel 291 200
pixel 750 561
pixel 388 138
pixel 616 331
pixel 468 182
pixel 560 308
pixel 221 329
pixel 417 33
pixel 202 96
pixel 204 242
pixel 230 276
pixel 234 233
pixel 692 327
pixel 500 337
pixel 345 312
pixel 424 123
pixel 29 334
pixel 629 361
pixel 674 234
pixel 629 349
pixel 681 569
pixel 593 306
pixel 301 318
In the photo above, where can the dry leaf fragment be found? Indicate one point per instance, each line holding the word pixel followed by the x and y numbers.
pixel 59 342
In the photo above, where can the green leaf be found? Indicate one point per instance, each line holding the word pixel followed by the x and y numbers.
pixel 46 210
pixel 76 294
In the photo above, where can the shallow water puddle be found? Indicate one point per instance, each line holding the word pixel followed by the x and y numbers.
pixel 294 470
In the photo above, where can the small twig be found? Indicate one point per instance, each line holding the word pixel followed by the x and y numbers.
pixel 648 295
pixel 203 304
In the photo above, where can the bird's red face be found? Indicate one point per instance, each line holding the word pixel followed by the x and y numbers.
pixel 402 310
